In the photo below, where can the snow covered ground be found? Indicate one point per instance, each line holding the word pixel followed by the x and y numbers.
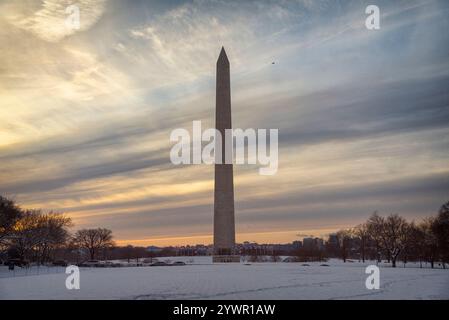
pixel 201 279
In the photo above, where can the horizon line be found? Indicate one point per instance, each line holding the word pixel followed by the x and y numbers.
pixel 293 235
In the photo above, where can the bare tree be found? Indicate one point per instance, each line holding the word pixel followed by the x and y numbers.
pixel 344 237
pixel 256 255
pixel 275 255
pixel 375 225
pixel 430 240
pixel 394 236
pixel 415 246
pixel 52 232
pixel 93 240
pixel 26 234
pixel 10 213
pixel 440 228
pixel 361 231
pixel 37 234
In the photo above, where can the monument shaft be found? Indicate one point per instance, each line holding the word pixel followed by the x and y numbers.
pixel 224 224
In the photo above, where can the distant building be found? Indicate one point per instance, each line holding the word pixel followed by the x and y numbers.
pixel 333 240
pixel 319 243
pixel 308 243
pixel 296 244
pixel 154 249
pixel 313 243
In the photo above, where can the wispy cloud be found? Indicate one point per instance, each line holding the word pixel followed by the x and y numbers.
pixel 48 20
pixel 362 116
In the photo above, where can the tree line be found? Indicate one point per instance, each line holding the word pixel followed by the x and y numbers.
pixel 38 236
pixel 394 239
pixel 41 237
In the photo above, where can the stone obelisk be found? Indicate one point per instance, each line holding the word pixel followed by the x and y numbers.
pixel 224 225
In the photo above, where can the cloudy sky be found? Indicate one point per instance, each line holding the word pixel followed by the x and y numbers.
pixel 86 115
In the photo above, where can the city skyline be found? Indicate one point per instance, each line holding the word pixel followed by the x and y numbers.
pixel 87 114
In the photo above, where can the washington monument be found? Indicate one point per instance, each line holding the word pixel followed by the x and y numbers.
pixel 224 225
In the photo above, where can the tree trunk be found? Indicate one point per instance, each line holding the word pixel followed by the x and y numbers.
pixel 393 262
pixel 378 253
